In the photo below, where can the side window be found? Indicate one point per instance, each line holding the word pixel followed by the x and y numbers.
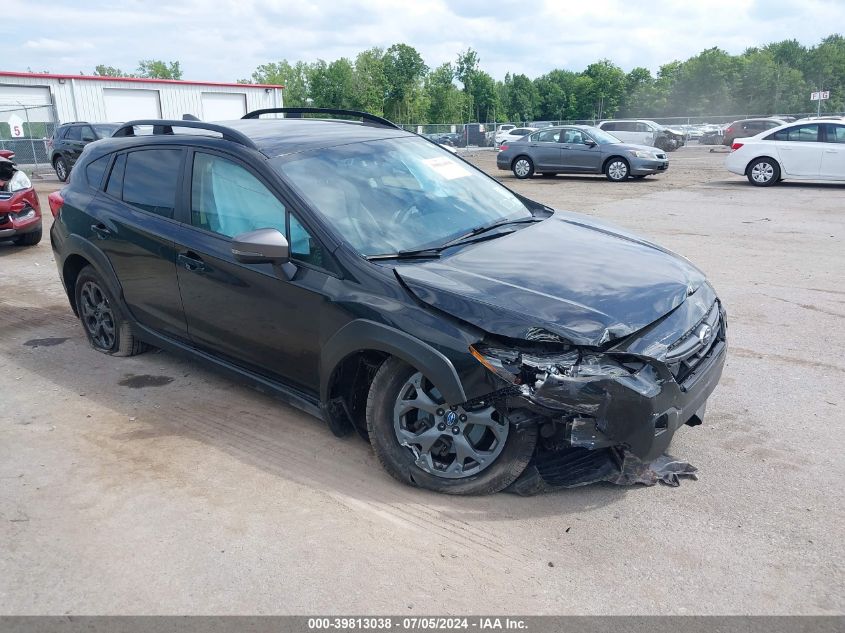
pixel 835 133
pixel 627 126
pixel 229 200
pixel 95 171
pixel 303 247
pixel 115 185
pixel 573 136
pixel 549 136
pixel 87 134
pixel 150 180
pixel 74 133
pixel 610 126
pixel 800 133
pixel 643 127
pixel 535 137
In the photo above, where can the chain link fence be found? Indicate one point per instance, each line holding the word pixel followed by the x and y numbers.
pixel 26 130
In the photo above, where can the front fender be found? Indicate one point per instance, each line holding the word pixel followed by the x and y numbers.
pixel 363 334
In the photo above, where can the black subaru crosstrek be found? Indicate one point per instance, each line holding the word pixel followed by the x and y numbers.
pixel 373 279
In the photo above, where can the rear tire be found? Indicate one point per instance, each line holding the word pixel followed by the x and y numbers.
pixel 523 167
pixel 617 169
pixel 62 170
pixel 763 172
pixel 28 239
pixel 508 456
pixel 107 329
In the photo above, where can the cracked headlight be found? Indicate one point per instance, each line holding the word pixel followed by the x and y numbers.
pixel 18 182
pixel 505 363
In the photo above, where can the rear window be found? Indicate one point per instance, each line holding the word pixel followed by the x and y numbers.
pixel 115 186
pixel 95 171
pixel 150 180
pixel 73 133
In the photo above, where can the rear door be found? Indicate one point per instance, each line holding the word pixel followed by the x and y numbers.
pixel 546 150
pixel 833 156
pixel 133 225
pixel 799 150
pixel 250 314
pixel 72 144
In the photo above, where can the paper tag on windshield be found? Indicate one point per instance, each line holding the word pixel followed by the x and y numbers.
pixel 447 168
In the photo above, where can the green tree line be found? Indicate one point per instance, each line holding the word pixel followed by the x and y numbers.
pixel 397 83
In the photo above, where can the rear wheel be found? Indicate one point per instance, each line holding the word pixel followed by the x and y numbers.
pixel 62 171
pixel 28 239
pixel 617 169
pixel 523 167
pixel 763 172
pixel 107 330
pixel 423 441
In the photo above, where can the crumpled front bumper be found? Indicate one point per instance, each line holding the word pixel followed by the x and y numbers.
pixel 639 405
pixel 20 213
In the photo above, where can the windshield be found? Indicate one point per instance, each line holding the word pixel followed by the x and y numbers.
pixel 601 137
pixel 394 195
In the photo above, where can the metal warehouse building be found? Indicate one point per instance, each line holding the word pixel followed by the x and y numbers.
pixel 32 104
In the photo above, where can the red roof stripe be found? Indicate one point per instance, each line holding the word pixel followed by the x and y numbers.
pixel 6 73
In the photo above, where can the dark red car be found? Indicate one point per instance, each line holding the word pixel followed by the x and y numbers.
pixel 20 211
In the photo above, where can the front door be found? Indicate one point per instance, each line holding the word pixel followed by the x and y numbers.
pixel 576 155
pixel 799 150
pixel 833 157
pixel 250 314
pixel 132 224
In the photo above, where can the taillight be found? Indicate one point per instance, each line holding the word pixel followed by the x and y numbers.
pixel 503 147
pixel 735 146
pixel 730 130
pixel 56 201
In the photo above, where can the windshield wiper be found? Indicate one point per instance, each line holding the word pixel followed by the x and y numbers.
pixel 419 253
pixel 466 238
pixel 487 227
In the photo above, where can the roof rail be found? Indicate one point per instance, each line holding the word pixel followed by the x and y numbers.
pixel 364 116
pixel 165 126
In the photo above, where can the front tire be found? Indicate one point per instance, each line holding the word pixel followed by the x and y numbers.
pixel 105 326
pixel 617 169
pixel 763 172
pixel 422 441
pixel 523 167
pixel 28 239
pixel 62 170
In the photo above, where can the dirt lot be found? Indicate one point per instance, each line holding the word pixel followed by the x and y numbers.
pixel 150 485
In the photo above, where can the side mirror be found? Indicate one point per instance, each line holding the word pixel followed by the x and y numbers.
pixel 589 142
pixel 264 246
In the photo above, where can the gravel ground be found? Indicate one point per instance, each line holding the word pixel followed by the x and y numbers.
pixel 151 485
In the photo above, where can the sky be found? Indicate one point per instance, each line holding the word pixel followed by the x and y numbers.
pixel 225 40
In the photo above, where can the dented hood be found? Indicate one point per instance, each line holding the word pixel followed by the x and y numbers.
pixel 570 275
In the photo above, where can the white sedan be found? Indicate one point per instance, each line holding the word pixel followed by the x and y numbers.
pixel 513 134
pixel 803 150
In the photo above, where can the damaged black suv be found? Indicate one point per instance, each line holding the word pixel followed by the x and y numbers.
pixel 373 279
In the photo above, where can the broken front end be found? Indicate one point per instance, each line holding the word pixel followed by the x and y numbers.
pixel 625 400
